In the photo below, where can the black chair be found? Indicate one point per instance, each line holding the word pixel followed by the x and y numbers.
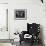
pixel 32 29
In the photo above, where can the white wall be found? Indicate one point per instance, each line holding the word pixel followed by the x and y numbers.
pixel 3 21
pixel 3 1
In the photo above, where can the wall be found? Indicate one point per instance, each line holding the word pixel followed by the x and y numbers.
pixel 3 21
pixel 3 34
pixel 3 1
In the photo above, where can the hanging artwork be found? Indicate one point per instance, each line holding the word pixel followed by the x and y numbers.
pixel 20 14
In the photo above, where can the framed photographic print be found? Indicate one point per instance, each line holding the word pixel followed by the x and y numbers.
pixel 21 14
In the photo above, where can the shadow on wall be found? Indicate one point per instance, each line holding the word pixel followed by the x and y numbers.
pixel 41 35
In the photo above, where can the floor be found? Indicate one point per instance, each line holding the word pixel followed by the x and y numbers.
pixel 5 44
pixel 26 44
pixel 23 44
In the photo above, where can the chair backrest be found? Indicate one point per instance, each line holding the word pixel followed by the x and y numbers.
pixel 33 28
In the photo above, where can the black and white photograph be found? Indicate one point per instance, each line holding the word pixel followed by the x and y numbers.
pixel 20 14
pixel 22 22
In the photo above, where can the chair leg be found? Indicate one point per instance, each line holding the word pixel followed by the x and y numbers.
pixel 20 42
pixel 32 42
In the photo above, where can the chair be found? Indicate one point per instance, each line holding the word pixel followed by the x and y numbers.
pixel 33 30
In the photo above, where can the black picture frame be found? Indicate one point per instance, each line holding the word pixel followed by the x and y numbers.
pixel 20 14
